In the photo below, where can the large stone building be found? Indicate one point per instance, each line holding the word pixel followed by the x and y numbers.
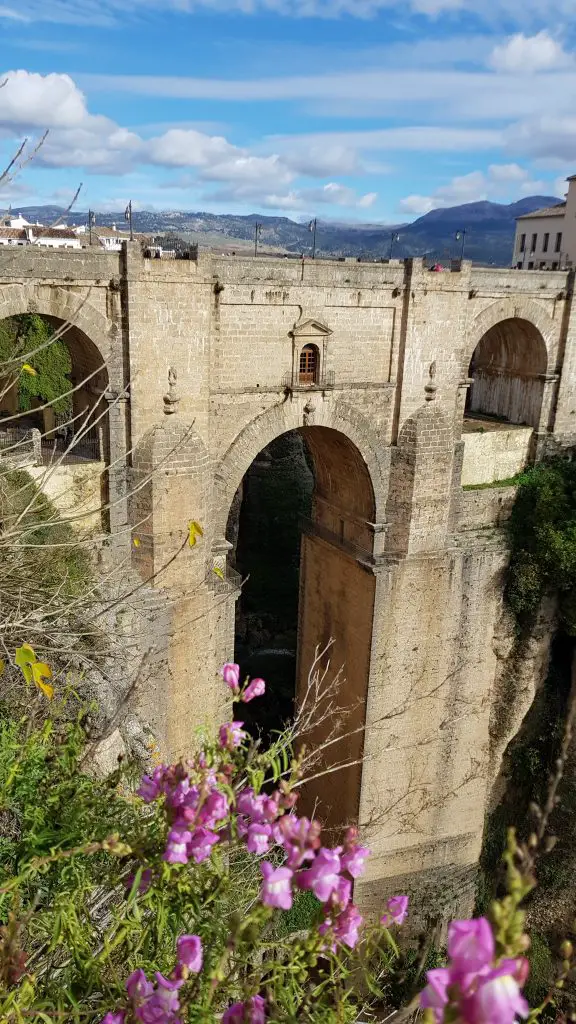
pixel 405 384
pixel 546 239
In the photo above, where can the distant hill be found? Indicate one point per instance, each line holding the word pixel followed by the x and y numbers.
pixel 489 230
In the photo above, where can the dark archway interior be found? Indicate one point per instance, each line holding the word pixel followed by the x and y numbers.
pixel 300 531
pixel 508 367
pixel 84 413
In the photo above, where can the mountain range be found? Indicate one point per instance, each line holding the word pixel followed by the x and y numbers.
pixel 489 227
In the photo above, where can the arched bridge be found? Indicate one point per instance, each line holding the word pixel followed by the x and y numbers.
pixel 404 384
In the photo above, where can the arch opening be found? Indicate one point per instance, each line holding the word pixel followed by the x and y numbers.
pixel 75 425
pixel 301 536
pixel 507 369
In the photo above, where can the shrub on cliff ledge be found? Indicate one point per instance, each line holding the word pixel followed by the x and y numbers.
pixel 543 535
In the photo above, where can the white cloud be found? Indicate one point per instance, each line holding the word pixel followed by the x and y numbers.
pixel 500 183
pixel 526 54
pixel 30 100
pixel 550 138
pixel 301 200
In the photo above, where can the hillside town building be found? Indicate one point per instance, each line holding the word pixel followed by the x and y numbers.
pixel 546 238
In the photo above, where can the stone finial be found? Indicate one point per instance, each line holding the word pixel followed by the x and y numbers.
pixel 172 398
pixel 431 387
pixel 308 414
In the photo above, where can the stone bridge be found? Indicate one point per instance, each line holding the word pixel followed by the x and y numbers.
pixel 387 370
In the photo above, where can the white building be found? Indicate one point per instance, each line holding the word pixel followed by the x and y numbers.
pixel 37 234
pixel 546 239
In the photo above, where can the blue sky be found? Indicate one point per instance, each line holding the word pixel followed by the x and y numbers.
pixel 373 110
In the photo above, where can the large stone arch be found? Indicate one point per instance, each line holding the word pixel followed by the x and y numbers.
pixel 291 415
pixel 337 574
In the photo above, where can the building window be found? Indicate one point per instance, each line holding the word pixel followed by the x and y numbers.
pixel 554 266
pixel 543 265
pixel 534 243
pixel 545 242
pixel 531 266
pixel 558 246
pixel 522 243
pixel 309 363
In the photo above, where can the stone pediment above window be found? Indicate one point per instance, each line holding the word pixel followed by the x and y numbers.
pixel 311 329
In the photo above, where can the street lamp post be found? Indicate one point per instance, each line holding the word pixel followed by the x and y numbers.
pixel 395 237
pixel 461 237
pixel 257 232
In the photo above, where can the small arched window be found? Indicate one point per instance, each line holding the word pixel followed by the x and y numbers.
pixel 309 365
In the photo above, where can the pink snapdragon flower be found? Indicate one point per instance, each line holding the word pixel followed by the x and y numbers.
pixel 397 910
pixel 215 808
pixel 177 851
pixel 114 1018
pixel 323 876
pixel 151 786
pixel 189 952
pixel 200 844
pixel 230 673
pixel 354 861
pixel 259 837
pixel 257 688
pixel 249 804
pixel 299 837
pixel 252 1012
pixel 231 735
pixel 276 888
pixel 476 989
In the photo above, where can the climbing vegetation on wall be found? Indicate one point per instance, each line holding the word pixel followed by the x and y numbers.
pixel 44 375
pixel 543 536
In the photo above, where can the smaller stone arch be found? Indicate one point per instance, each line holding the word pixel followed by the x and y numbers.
pixel 517 308
pixel 508 370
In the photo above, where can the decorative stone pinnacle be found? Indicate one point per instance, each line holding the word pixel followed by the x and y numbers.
pixel 431 387
pixel 308 413
pixel 172 398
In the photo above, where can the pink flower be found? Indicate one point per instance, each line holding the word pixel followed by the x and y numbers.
pixel 189 952
pixel 497 999
pixel 214 808
pixel 248 803
pixel 258 838
pixel 396 912
pixel 151 785
pixel 177 846
pixel 231 675
pixel 323 877
pixel 299 837
pixel 200 844
pixel 257 688
pixel 342 894
pixel 435 995
pixel 251 1012
pixel 163 1004
pixel 114 1018
pixel 470 944
pixel 138 987
pixel 353 862
pixel 346 926
pixel 231 735
pixel 276 888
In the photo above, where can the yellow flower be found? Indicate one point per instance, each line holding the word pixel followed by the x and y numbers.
pixel 29 369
